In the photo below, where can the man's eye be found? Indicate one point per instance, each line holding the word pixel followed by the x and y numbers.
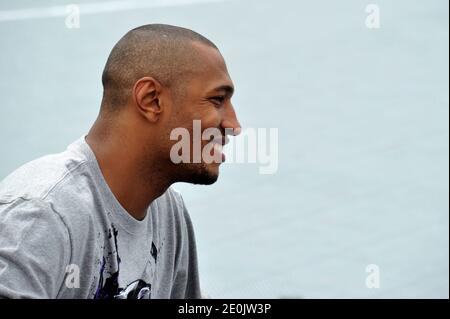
pixel 218 100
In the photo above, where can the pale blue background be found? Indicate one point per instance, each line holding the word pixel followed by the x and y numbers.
pixel 363 125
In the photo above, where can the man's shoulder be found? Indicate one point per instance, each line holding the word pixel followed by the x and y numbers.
pixel 37 178
pixel 55 190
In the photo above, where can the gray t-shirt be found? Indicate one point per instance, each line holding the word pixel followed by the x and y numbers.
pixel 63 234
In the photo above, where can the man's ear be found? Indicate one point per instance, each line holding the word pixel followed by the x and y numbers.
pixel 147 98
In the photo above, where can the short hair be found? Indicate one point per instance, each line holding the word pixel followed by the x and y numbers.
pixel 164 52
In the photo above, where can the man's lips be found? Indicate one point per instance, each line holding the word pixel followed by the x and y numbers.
pixel 218 144
pixel 221 140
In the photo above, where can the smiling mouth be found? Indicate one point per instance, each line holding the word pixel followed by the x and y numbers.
pixel 222 141
pixel 218 144
pixel 218 149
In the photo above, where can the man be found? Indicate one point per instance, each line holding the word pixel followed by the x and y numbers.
pixel 100 219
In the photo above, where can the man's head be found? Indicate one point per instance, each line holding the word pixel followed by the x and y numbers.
pixel 159 78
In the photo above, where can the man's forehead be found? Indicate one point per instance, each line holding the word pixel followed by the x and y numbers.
pixel 214 73
pixel 207 52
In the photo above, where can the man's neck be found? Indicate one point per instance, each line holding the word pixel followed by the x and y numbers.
pixel 122 166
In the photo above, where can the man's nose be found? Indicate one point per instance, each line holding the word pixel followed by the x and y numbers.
pixel 230 122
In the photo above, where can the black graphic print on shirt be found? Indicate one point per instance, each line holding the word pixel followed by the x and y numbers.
pixel 108 286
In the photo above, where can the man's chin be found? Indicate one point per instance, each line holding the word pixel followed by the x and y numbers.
pixel 205 179
pixel 202 175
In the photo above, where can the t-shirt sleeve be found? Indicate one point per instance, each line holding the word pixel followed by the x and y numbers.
pixel 186 283
pixel 34 250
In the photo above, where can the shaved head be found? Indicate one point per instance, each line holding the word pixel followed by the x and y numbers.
pixel 164 52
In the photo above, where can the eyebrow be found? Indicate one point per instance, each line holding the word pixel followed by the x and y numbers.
pixel 228 89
